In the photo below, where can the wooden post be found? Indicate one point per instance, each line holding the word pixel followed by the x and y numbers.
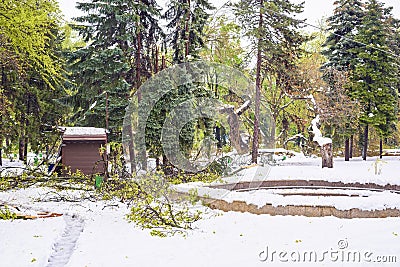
pixel 327 156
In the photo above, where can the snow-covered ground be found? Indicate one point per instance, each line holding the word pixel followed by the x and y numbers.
pixel 97 234
pixel 376 171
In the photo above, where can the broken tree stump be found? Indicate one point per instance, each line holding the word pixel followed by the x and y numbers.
pixel 327 155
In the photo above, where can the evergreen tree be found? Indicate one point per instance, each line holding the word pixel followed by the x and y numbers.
pixel 374 77
pixel 274 35
pixel 120 35
pixel 394 44
pixel 343 26
pixel 186 22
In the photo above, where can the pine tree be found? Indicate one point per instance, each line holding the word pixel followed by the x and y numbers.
pixel 186 22
pixel 343 26
pixel 120 35
pixel 374 77
pixel 394 44
pixel 275 37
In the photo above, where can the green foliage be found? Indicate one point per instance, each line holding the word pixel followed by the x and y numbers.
pixel 154 204
pixel 222 39
pixel 276 42
pixel 71 42
pixel 339 113
pixel 121 36
pixel 277 36
pixel 28 26
pixel 211 174
pixel 363 46
pixel 374 79
pixel 32 72
pixel 175 92
pixel 341 57
pixel 186 21
pixel 116 162
pixel 6 214
pixel 343 26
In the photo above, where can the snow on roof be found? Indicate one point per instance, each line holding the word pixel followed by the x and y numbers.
pixel 84 133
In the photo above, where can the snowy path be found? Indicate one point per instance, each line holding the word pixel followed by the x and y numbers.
pixel 65 245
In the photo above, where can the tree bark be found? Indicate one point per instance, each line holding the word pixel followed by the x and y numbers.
pixel 380 148
pixel 21 148
pixel 218 136
pixel 107 110
pixel 327 156
pixel 365 143
pixel 234 133
pixel 351 146
pixel 26 142
pixel 167 168
pixel 254 151
pixel 131 147
pixel 158 163
pixel 156 61
pixel 347 149
pixel 142 150
pixel 163 63
pixel 2 110
pixel 187 32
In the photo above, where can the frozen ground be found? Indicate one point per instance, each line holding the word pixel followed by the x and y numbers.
pixel 96 234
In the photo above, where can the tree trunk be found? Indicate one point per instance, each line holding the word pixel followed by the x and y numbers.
pixel 142 150
pixel 234 133
pixel 107 115
pixel 347 149
pixel 21 149
pixel 327 156
pixel 187 32
pixel 351 146
pixel 218 136
pixel 380 148
pixel 163 62
pixel 2 110
pixel 105 155
pixel 365 143
pixel 156 61
pixel 158 163
pixel 167 168
pixel 26 150
pixel 131 147
pixel 1 150
pixel 254 151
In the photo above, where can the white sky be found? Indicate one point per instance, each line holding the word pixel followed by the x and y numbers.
pixel 314 10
